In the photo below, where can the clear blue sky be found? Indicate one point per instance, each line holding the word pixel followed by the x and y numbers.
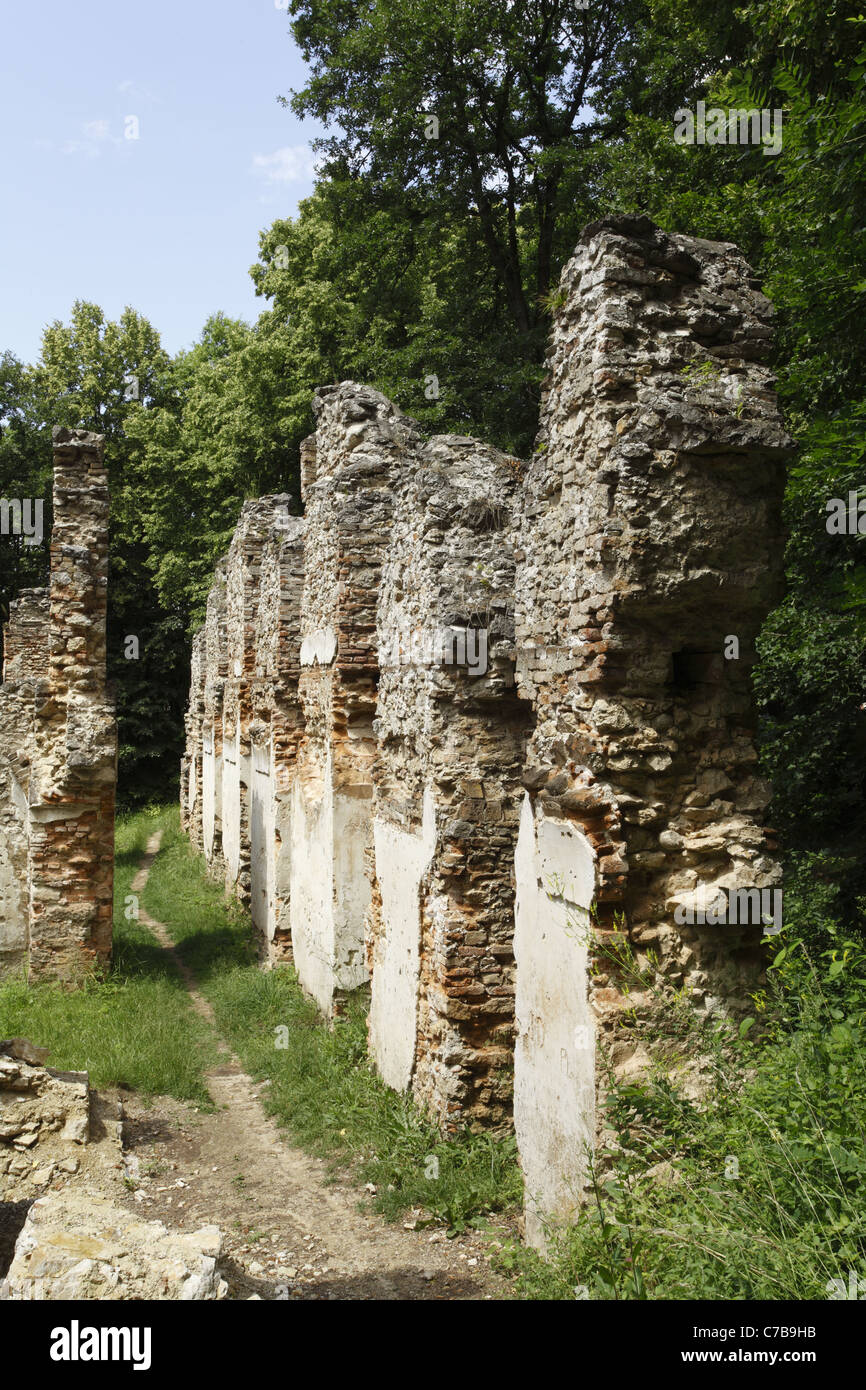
pixel 167 223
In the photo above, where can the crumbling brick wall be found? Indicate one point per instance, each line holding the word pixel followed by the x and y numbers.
pixel 25 653
pixel 213 680
pixel 58 740
pixel 243 719
pixel 276 729
pixel 191 768
pixel 17 716
pixel 651 534
pixel 450 734
pixel 26 636
pixel 347 477
pixel 457 833
pixel 242 591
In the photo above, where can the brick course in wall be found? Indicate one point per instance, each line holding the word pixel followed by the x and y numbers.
pixel 26 636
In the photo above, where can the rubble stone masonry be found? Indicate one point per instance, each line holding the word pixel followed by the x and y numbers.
pixel 474 731
pixel 58 740
pixel 650 534
pixel 449 737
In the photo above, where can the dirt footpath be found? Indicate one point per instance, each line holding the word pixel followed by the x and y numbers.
pixel 293 1230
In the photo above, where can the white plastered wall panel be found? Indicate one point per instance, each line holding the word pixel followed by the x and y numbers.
pixel 554 1063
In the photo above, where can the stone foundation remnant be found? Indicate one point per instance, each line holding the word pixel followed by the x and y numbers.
pixel 474 726
pixel 78 1245
pixel 44 1119
pixel 58 740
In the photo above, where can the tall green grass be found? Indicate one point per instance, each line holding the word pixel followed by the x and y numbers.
pixel 757 1190
pixel 132 1026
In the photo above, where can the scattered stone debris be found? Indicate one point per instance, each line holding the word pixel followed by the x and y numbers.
pixel 75 1245
pixel 25 1051
pixel 44 1120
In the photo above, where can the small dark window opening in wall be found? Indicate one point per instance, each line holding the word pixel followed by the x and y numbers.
pixel 693 668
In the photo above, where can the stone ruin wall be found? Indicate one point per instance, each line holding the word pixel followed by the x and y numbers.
pixel 449 733
pixel 473 834
pixel 277 728
pixel 348 510
pixel 651 532
pixel 58 740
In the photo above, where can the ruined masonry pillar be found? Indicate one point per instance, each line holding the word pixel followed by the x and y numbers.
pixel 651 536
pixel 214 656
pixel 191 762
pixel 346 490
pixel 276 729
pixel 449 735
pixel 72 779
pixel 241 611
pixel 25 662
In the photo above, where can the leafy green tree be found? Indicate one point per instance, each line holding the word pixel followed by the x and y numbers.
pixel 25 472
pixel 229 429
pixel 385 291
pixel 470 126
pixel 815 41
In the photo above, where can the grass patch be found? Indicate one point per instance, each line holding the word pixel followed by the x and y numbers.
pixel 323 1089
pixel 754 1192
pixel 133 1026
